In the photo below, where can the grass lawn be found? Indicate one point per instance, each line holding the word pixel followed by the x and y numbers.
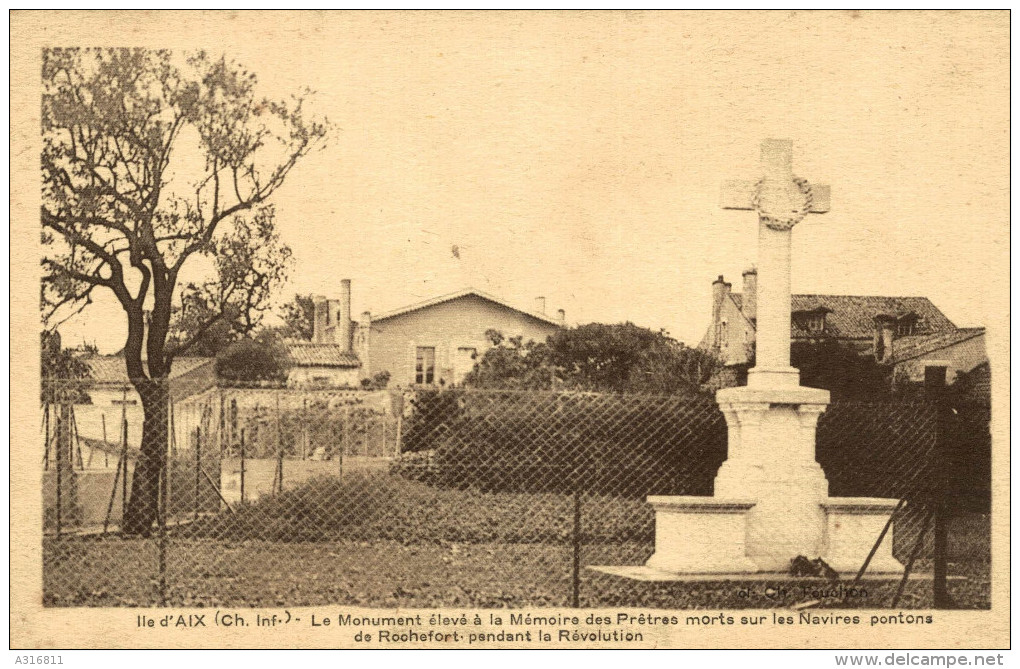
pixel 114 572
pixel 379 541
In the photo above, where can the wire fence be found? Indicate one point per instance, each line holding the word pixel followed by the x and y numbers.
pixel 414 498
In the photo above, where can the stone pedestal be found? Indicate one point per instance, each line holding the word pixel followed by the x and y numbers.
pixel 700 535
pixel 771 500
pixel 853 524
pixel 771 460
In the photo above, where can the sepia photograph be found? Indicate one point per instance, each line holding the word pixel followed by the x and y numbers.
pixel 575 329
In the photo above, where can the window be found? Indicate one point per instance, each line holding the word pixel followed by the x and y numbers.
pixel 905 328
pixel 816 323
pixel 425 365
pixel 720 334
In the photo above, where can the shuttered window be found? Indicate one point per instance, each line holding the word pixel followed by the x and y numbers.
pixel 425 365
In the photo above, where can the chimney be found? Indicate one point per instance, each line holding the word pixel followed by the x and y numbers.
pixel 885 336
pixel 751 294
pixel 366 340
pixel 540 305
pixel 561 316
pixel 321 313
pixel 720 290
pixel 345 331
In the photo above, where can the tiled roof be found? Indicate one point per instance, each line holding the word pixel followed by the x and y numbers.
pixel 111 369
pixel 851 316
pixel 459 294
pixel 303 354
pixel 907 348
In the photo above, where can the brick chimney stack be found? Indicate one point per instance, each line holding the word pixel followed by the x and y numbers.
pixel 319 318
pixel 720 291
pixel 540 305
pixel 750 307
pixel 344 330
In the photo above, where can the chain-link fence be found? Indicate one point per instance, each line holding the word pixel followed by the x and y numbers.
pixel 467 498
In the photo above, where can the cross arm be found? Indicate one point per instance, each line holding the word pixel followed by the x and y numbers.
pixel 738 194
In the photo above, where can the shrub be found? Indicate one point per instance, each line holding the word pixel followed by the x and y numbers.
pixel 557 442
pixel 431 411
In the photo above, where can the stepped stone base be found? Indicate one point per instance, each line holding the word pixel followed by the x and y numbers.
pixel 709 536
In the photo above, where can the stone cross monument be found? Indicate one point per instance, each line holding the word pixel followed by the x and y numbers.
pixel 770 502
pixel 781 200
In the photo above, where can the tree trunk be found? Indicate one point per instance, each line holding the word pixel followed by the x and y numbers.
pixel 143 505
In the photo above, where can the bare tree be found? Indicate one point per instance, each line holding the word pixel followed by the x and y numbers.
pixel 151 159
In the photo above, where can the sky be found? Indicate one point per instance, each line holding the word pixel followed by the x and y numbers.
pixel 579 156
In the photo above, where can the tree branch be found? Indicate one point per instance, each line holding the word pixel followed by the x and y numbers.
pixel 92 279
pixel 182 347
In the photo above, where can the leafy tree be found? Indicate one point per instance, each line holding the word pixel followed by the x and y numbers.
pixel 151 160
pixel 263 359
pixel 598 357
pixel 299 317
pixel 65 375
pixel 513 363
pixel 832 365
pixel 840 369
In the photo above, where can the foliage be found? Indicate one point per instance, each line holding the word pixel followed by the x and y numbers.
pixel 379 381
pixel 377 506
pixel 595 357
pixel 632 445
pixel 151 159
pixel 841 370
pixel 65 375
pixel 253 361
pixel 430 411
pixel 832 365
pixel 513 363
pixel 299 317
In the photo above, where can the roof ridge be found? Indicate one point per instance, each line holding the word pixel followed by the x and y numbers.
pixel 457 295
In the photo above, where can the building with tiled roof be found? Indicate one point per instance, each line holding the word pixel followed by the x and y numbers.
pixel 907 333
pixel 322 364
pixel 433 342
pixel 110 372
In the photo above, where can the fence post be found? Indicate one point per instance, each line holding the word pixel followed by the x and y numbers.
pixel 242 465
pixel 345 438
pixel 400 425
pixel 576 536
pixel 106 453
pixel 171 461
pixel 198 466
pixel 279 444
pixel 124 459
pixel 164 478
pixel 60 467
pixel 304 428
pixel 219 426
pixel 935 388
pixel 46 432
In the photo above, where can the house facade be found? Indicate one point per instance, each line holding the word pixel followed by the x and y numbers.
pixel 437 341
pixel 906 333
pixel 434 342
